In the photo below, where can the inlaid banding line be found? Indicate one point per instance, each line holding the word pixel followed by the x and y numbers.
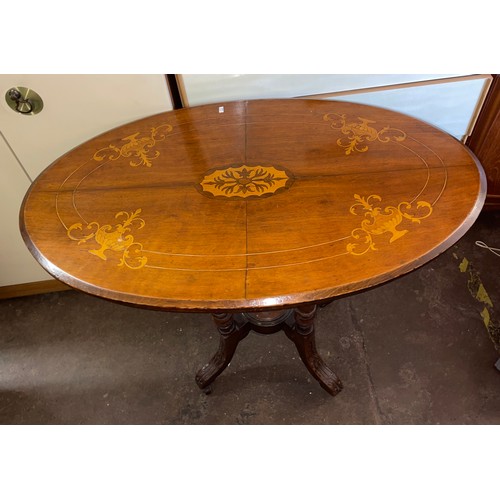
pixel 79 184
pixel 241 269
pixel 444 168
pixel 246 254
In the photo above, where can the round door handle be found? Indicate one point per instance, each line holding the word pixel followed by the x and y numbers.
pixel 24 106
pixel 24 100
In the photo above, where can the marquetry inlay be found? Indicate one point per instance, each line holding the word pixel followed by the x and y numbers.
pixel 379 220
pixel 136 147
pixel 114 238
pixel 356 133
pixel 246 181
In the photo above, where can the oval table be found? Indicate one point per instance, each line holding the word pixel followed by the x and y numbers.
pixel 254 211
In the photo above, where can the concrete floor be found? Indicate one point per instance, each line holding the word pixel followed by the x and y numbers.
pixel 413 351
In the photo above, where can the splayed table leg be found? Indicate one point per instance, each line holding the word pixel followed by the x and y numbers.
pixel 302 334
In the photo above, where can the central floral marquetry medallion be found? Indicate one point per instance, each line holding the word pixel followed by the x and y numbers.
pixel 245 181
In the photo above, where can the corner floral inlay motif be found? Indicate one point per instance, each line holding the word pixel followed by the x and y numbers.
pixel 358 132
pixel 137 147
pixel 113 238
pixel 379 220
pixel 245 181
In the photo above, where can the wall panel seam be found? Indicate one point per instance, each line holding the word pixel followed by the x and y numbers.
pixel 16 157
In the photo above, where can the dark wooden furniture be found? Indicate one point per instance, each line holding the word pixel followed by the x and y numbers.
pixel 253 211
pixel 485 143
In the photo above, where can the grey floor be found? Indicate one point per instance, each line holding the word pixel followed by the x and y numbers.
pixel 416 350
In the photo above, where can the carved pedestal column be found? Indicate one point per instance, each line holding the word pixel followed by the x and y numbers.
pixel 298 325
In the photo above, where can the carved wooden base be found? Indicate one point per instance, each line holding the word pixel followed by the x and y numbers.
pixel 298 325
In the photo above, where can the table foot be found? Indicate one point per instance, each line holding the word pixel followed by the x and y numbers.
pixel 208 389
pixel 231 334
pixel 302 334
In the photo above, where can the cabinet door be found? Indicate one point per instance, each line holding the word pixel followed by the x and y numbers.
pixel 75 109
pixel 17 265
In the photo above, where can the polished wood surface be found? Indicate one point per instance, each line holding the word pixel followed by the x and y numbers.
pixel 251 205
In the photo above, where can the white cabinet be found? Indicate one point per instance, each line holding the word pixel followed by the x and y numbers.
pixel 16 263
pixel 76 108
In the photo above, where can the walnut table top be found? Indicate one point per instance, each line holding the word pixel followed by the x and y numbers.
pixel 249 205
